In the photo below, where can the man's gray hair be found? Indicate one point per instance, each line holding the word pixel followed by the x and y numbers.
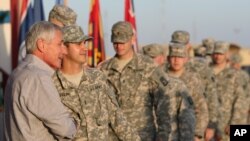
pixel 41 30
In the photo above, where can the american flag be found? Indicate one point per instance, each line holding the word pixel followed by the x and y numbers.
pixel 31 12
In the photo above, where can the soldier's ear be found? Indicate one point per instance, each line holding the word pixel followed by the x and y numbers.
pixel 133 39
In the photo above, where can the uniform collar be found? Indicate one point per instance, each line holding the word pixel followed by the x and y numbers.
pixel 133 64
pixel 67 84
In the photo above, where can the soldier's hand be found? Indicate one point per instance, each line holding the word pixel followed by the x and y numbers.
pixel 209 134
pixel 217 137
pixel 227 130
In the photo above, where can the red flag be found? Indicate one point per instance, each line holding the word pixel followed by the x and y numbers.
pixel 130 17
pixel 14 32
pixel 96 52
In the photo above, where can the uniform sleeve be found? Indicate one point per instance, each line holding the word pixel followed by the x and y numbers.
pixel 175 114
pixel 212 101
pixel 247 90
pixel 164 111
pixel 239 108
pixel 186 117
pixel 44 102
pixel 201 109
pixel 163 103
pixel 118 121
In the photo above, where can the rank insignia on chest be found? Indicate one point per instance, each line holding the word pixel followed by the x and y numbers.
pixel 163 81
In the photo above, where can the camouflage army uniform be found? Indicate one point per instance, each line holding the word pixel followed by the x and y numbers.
pixel 244 80
pixel 94 106
pixel 208 43
pixel 246 86
pixel 135 89
pixel 176 97
pixel 231 96
pixel 196 90
pixel 207 77
pixel 200 66
pixel 181 111
pixel 247 90
pixel 231 100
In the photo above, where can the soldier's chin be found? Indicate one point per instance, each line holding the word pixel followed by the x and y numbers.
pixel 120 53
pixel 176 69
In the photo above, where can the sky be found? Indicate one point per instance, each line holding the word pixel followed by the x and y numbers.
pixel 156 20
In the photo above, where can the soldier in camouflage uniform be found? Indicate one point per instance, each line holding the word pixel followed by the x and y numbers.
pixel 62 15
pixel 200 52
pixel 156 52
pixel 181 111
pixel 87 94
pixel 131 75
pixel 235 62
pixel 232 103
pixel 177 59
pixel 200 66
pixel 208 43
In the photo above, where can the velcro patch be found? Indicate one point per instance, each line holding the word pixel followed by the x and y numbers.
pixel 190 100
pixel 163 81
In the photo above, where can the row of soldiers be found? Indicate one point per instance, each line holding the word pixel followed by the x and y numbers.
pixel 127 97
pixel 216 71
pixel 200 83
